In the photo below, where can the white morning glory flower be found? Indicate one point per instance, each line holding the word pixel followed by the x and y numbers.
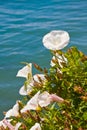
pixel 13 112
pixel 32 104
pixel 36 127
pixel 25 90
pixel 37 100
pixel 41 100
pixel 25 71
pixel 56 40
pixel 44 99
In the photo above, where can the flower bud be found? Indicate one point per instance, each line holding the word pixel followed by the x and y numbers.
pixel 84 98
pixel 56 98
pixel 38 67
pixel 78 89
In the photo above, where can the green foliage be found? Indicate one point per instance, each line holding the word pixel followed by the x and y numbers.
pixel 68 81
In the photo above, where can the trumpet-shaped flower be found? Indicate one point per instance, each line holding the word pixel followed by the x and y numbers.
pixel 56 40
pixel 41 100
pixel 38 100
pixel 36 127
pixel 25 71
pixel 32 104
pixel 13 112
pixel 44 99
pixel 25 90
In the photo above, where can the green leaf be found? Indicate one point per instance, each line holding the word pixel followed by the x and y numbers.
pixel 85 116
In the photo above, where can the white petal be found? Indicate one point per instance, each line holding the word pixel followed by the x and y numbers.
pixel 44 99
pixel 34 99
pixel 13 111
pixel 35 77
pixel 8 113
pixel 32 104
pixel 23 91
pixel 17 125
pixel 56 40
pixel 29 88
pixel 25 71
pixel 60 59
pixel 36 127
pixel 52 63
pixel 16 109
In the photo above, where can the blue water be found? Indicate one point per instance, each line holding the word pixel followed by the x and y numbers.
pixel 23 23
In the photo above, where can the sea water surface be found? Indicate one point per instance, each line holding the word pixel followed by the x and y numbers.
pixel 23 23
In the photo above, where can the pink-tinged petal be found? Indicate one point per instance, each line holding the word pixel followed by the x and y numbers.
pixel 44 99
pixel 25 71
pixel 2 124
pixel 56 40
pixel 32 104
pixel 8 124
pixel 36 127
pixel 56 98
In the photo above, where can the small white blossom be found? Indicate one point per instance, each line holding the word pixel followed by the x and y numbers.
pixel 25 90
pixel 36 127
pixel 13 112
pixel 25 71
pixel 56 40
